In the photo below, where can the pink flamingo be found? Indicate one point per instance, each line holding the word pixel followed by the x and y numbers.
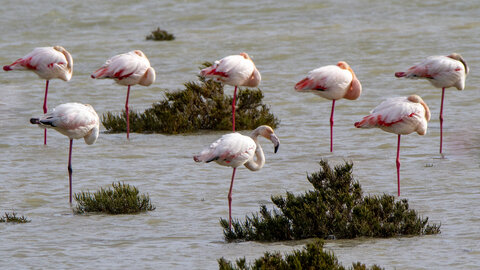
pixel 75 121
pixel 48 63
pixel 332 82
pixel 442 72
pixel 400 115
pixel 127 69
pixel 235 150
pixel 234 70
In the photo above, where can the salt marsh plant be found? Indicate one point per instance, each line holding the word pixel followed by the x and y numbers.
pixel 312 256
pixel 336 208
pixel 13 218
pixel 160 35
pixel 119 199
pixel 199 106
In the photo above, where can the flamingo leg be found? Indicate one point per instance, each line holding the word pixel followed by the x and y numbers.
pixel 331 125
pixel 441 120
pixel 233 107
pixel 70 169
pixel 126 111
pixel 398 165
pixel 45 111
pixel 230 200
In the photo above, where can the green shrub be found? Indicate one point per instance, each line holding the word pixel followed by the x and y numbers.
pixel 201 105
pixel 120 199
pixel 160 35
pixel 336 208
pixel 311 257
pixel 12 218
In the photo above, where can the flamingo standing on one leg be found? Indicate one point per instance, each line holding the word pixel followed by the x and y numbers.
pixel 234 150
pixel 48 63
pixel 75 121
pixel 442 72
pixel 332 82
pixel 400 115
pixel 127 69
pixel 234 70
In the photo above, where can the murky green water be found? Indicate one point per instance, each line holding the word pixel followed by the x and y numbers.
pixel 286 40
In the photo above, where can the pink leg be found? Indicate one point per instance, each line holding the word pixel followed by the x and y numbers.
pixel 230 200
pixel 398 165
pixel 441 120
pixel 45 111
pixel 233 107
pixel 126 110
pixel 331 126
pixel 70 168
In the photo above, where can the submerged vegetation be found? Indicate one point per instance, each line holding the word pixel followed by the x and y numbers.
pixel 201 105
pixel 336 208
pixel 12 218
pixel 311 257
pixel 120 199
pixel 160 35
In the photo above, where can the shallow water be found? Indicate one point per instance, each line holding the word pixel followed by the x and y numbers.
pixel 286 40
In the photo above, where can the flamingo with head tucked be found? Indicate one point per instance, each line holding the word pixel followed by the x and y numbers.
pixel 48 63
pixel 75 121
pixel 235 150
pixel 127 69
pixel 332 82
pixel 400 115
pixel 443 72
pixel 234 70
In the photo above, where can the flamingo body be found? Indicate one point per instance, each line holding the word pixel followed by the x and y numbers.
pixel 235 150
pixel 400 115
pixel 47 62
pixel 234 70
pixel 441 71
pixel 75 121
pixel 127 69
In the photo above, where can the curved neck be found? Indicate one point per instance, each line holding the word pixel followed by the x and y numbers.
pixel 258 161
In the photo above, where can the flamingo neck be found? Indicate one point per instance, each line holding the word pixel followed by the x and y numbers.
pixel 257 162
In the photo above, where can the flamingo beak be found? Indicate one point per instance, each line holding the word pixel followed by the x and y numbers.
pixel 275 141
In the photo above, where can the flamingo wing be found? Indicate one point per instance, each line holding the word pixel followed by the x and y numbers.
pixel 124 66
pixel 232 70
pixel 330 82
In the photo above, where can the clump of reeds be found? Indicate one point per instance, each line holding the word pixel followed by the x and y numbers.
pixel 159 35
pixel 336 208
pixel 12 218
pixel 200 106
pixel 312 256
pixel 119 199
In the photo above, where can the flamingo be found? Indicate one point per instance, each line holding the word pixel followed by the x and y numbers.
pixel 234 70
pixel 399 115
pixel 332 82
pixel 127 69
pixel 75 121
pixel 48 63
pixel 234 150
pixel 442 72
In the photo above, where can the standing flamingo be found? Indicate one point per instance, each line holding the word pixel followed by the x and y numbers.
pixel 127 69
pixel 234 70
pixel 234 150
pixel 400 115
pixel 332 82
pixel 48 63
pixel 442 72
pixel 75 121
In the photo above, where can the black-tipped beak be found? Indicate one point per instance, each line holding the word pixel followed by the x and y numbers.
pixel 276 148
pixel 34 121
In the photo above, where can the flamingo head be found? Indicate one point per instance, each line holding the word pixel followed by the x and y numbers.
pixel 458 57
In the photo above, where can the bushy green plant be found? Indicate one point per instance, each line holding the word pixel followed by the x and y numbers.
pixel 12 218
pixel 311 257
pixel 201 105
pixel 160 35
pixel 119 199
pixel 336 208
